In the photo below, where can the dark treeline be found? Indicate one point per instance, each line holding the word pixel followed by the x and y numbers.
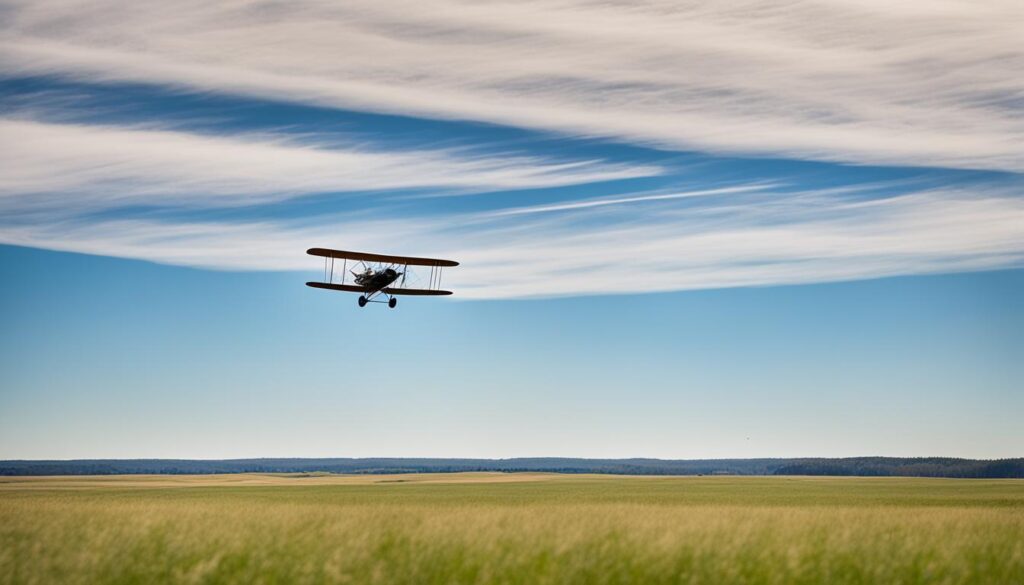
pixel 915 467
pixel 860 466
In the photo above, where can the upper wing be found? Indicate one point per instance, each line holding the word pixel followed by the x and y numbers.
pixel 407 260
pixel 423 292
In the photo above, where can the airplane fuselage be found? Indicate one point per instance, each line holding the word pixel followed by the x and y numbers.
pixel 378 280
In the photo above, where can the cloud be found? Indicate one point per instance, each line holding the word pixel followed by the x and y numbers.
pixel 767 239
pixel 755 238
pixel 81 167
pixel 912 83
pixel 918 83
pixel 602 201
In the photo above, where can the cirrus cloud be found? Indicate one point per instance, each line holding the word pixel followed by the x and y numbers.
pixel 913 83
pixel 753 237
pixel 88 166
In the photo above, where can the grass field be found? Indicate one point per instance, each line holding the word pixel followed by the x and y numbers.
pixel 509 528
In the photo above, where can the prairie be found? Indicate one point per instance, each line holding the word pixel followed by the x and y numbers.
pixel 509 528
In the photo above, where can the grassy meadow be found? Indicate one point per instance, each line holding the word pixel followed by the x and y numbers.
pixel 509 528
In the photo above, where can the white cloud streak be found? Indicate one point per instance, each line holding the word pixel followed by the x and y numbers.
pixel 921 83
pixel 936 83
pixel 765 239
pixel 602 201
pixel 88 166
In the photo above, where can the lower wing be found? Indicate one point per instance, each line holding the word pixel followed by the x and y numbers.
pixel 423 292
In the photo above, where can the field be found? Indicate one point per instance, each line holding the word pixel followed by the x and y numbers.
pixel 509 528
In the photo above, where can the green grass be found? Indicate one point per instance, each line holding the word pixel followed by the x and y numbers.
pixel 495 528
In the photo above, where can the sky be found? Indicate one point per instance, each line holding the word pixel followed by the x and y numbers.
pixel 685 230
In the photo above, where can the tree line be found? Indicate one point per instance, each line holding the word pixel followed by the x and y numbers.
pixel 853 466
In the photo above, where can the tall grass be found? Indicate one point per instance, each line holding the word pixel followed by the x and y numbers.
pixel 543 529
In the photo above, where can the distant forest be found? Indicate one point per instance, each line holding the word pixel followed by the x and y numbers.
pixel 859 466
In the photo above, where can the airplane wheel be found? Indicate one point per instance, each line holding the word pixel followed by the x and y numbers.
pixel 362 301
pixel 392 302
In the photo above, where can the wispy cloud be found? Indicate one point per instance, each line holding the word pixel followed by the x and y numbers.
pixel 922 83
pixel 764 239
pixel 603 201
pixel 84 167
pixel 936 83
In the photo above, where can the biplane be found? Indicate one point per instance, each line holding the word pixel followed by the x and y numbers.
pixel 379 275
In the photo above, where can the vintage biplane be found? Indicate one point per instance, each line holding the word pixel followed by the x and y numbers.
pixel 376 275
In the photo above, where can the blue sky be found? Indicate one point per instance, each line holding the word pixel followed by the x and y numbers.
pixel 768 232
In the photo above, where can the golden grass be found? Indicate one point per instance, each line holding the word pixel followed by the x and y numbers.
pixel 509 528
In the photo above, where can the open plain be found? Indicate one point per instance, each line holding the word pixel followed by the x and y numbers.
pixel 509 528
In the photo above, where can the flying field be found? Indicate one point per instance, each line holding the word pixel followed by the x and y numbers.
pixel 510 528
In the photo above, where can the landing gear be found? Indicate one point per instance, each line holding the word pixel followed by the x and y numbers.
pixel 362 301
pixel 392 302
